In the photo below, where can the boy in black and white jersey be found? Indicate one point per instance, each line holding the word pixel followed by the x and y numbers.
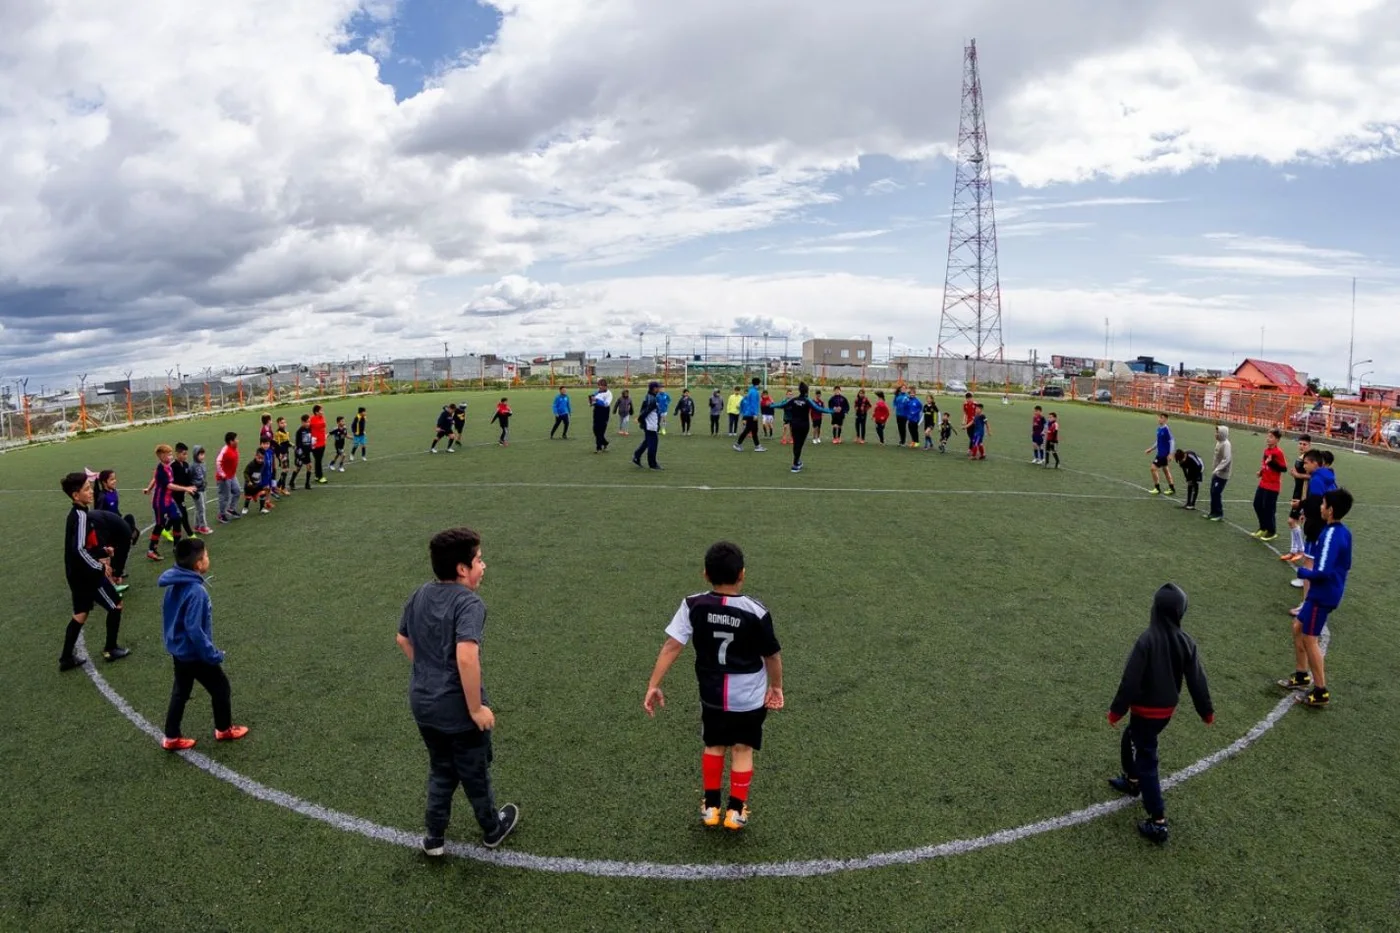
pixel 740 671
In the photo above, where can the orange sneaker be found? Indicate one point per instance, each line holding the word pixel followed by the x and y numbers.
pixel 177 744
pixel 229 734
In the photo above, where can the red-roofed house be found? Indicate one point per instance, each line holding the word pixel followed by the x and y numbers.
pixel 1275 377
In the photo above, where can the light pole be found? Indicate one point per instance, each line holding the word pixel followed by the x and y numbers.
pixel 889 354
pixel 1352 368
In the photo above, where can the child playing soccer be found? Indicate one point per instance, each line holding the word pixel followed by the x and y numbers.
pixel 765 413
pixel 1270 483
pixel 254 481
pixel 1162 452
pixel 303 454
pixel 1321 480
pixel 1150 690
pixel 441 633
pixel 1037 436
pixel 862 412
pixel 357 436
pixel 817 408
pixel 1193 470
pixel 226 475
pixel 977 432
pixel 839 406
pixel 562 409
pixel 182 475
pixel 740 671
pixel 444 428
pixel 1295 504
pixel 89 581
pixel 282 447
pixel 1052 441
pixel 199 477
pixel 338 433
pixel 502 416
pixel 162 491
pixel 945 431
pixel 1326 575
pixel 787 418
pixel 880 414
pixel 459 424
pixel 188 619
pixel 685 409
pixel 930 420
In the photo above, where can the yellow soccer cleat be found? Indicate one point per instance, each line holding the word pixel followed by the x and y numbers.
pixel 709 816
pixel 735 819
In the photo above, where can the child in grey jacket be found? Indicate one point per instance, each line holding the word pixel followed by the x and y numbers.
pixel 197 473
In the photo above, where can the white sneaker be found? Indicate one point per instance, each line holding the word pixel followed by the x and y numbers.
pixel 245 511
pixel 760 449
pixel 1296 583
pixel 432 450
pixel 739 447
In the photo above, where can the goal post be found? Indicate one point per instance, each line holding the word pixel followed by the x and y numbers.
pixel 724 375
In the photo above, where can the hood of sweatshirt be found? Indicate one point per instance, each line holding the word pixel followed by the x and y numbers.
pixel 178 575
pixel 1222 433
pixel 1168 606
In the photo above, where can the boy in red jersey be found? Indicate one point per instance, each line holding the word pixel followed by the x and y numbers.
pixel 502 415
pixel 740 670
pixel 1271 471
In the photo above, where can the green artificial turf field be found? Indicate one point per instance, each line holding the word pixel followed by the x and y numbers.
pixel 952 633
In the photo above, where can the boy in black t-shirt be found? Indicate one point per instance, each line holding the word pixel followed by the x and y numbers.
pixel 740 671
pixel 303 446
pixel 440 632
pixel 338 433
pixel 1295 504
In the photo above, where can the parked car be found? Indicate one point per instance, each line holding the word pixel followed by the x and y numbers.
pixel 1390 434
pixel 955 385
pixel 1325 421
pixel 1050 391
pixel 1103 395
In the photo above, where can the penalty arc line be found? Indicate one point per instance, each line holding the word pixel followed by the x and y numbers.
pixel 612 868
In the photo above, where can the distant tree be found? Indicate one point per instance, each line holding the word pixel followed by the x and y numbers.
pixel 1314 385
pixel 1324 393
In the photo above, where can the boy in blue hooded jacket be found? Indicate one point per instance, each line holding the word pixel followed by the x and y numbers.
pixel 188 619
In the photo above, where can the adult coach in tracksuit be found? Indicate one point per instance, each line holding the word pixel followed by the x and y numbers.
pixel 602 410
pixel 799 409
pixel 649 419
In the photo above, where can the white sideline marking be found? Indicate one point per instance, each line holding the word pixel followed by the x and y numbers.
pixel 611 868
pixel 914 491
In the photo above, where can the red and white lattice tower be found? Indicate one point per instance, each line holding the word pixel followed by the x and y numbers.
pixel 971 323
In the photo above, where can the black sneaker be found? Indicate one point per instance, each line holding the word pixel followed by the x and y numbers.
pixel 1125 785
pixel 1155 831
pixel 507 818
pixel 434 845
pixel 115 654
pixel 1316 697
pixel 70 662
pixel 1294 682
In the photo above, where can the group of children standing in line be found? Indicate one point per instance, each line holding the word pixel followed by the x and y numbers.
pixel 1320 549
pixel 99 539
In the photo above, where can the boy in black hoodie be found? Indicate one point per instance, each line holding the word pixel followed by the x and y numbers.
pixel 1150 689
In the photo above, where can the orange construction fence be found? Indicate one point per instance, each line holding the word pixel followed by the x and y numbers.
pixel 1351 421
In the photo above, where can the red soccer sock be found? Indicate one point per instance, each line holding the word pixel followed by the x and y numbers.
pixel 739 782
pixel 712 772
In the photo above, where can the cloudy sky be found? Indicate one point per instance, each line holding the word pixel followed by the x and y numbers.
pixel 271 180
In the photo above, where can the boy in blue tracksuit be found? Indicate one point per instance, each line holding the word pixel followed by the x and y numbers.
pixel 1161 451
pixel 663 405
pixel 749 407
pixel 188 620
pixel 1326 576
pixel 562 410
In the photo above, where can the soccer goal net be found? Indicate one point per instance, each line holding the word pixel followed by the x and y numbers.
pixel 724 375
